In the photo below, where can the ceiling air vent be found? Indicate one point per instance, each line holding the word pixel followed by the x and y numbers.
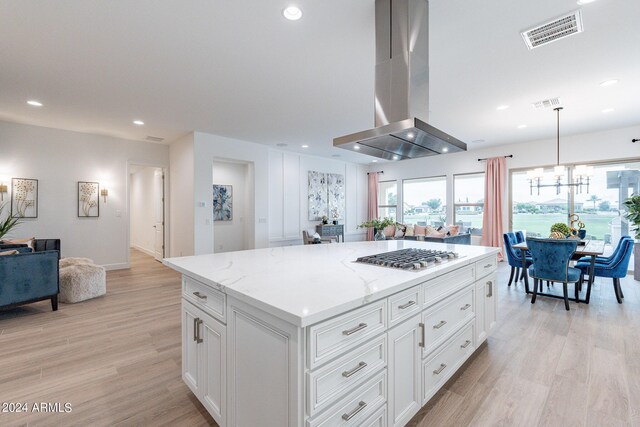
pixel 557 29
pixel 547 103
pixel 154 139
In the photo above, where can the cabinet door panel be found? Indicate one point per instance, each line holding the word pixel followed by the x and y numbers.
pixel 213 358
pixel 404 371
pixel 190 363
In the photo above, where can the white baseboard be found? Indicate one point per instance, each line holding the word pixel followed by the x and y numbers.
pixel 145 250
pixel 118 266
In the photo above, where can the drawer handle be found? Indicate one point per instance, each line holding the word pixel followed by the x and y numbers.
pixel 360 367
pixel 440 325
pixel 490 287
pixel 466 344
pixel 440 369
pixel 361 406
pixel 488 266
pixel 421 343
pixel 355 329
pixel 199 295
pixel 466 306
pixel 407 305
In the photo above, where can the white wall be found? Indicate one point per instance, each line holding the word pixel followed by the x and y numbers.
pixel 59 159
pixel 231 235
pixel 288 196
pixel 142 206
pixel 181 187
pixel 574 149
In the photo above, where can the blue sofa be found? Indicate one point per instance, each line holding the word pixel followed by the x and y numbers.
pixel 28 277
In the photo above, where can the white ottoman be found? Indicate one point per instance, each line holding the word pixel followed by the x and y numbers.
pixel 81 281
pixel 65 262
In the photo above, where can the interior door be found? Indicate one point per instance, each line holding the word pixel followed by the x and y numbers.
pixel 158 199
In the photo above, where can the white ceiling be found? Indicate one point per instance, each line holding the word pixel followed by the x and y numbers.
pixel 238 69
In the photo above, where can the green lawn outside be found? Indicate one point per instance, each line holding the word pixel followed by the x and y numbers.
pixel 596 225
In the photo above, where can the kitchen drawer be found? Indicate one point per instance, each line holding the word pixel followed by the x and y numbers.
pixel 378 419
pixel 438 369
pixel 357 407
pixel 486 266
pixel 333 380
pixel 404 305
pixel 439 288
pixel 444 319
pixel 210 300
pixel 334 337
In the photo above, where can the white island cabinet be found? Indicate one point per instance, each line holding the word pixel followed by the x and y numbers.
pixel 305 336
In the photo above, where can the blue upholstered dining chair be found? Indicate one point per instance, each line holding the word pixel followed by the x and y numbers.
pixel 551 262
pixel 605 259
pixel 514 256
pixel 615 268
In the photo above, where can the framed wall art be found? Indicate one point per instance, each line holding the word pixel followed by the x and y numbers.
pixel 222 202
pixel 88 199
pixel 24 198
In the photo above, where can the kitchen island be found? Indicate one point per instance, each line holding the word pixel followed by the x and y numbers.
pixel 305 336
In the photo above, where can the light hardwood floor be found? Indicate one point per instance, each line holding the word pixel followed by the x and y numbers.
pixel 116 360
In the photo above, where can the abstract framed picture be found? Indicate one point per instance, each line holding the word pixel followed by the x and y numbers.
pixel 88 199
pixel 318 203
pixel 222 202
pixel 24 198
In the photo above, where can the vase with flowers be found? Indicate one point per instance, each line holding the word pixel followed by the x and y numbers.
pixel 378 226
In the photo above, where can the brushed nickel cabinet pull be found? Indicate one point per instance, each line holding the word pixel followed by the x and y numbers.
pixel 360 367
pixel 355 329
pixel 407 305
pixel 195 329
pixel 440 325
pixel 466 344
pixel 490 291
pixel 199 295
pixel 440 369
pixel 488 265
pixel 466 306
pixel 361 406
pixel 421 343
pixel 199 338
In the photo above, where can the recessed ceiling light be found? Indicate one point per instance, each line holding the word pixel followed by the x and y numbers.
pixel 282 145
pixel 305 146
pixel 395 157
pixel 522 126
pixel 608 110
pixel 581 2
pixel 445 149
pixel 609 82
pixel 292 13
pixel 34 103
pixel 374 161
pixel 411 135
pixel 138 122
pixel 356 147
pixel 502 107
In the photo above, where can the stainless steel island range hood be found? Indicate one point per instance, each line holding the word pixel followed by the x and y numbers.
pixel 402 88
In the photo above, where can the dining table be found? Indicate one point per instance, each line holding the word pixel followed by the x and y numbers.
pixel 590 248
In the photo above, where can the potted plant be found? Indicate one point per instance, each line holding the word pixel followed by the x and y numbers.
pixel 8 223
pixel 560 230
pixel 378 225
pixel 325 219
pixel 633 215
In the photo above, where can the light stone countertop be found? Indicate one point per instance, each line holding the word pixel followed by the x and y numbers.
pixel 306 284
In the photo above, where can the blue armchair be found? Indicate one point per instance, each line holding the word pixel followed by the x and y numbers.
pixel 551 262
pixel 514 257
pixel 606 260
pixel 615 268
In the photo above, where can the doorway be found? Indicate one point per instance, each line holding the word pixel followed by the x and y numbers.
pixel 147 210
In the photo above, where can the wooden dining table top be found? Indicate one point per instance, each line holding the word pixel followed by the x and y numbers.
pixel 591 247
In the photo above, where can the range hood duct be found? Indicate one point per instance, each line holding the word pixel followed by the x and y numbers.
pixel 401 88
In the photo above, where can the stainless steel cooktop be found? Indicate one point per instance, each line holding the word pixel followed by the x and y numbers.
pixel 409 259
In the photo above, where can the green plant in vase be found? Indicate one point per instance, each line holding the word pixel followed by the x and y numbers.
pixel 559 230
pixel 378 225
pixel 633 212
pixel 8 223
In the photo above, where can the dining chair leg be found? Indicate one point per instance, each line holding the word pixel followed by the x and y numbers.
pixel 566 296
pixel 517 274
pixel 616 288
pixel 535 290
pixel 524 271
pixel 620 289
pixel 513 269
pixel 577 289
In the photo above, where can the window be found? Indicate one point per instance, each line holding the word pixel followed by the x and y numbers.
pixel 468 196
pixel 425 201
pixel 387 199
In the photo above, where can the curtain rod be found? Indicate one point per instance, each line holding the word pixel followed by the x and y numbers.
pixel 482 160
pixel 375 172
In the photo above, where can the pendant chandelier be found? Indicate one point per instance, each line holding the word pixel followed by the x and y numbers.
pixel 581 173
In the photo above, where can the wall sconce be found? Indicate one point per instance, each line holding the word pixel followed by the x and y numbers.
pixel 104 193
pixel 3 189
